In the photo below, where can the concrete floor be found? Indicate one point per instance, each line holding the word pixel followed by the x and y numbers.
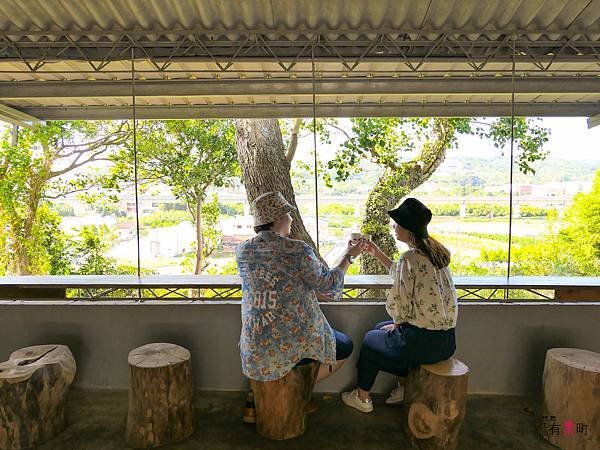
pixel 96 420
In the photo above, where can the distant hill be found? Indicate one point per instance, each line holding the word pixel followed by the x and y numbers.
pixel 462 172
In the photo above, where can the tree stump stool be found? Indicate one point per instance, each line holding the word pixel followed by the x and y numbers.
pixel 281 404
pixel 571 410
pixel 33 391
pixel 160 396
pixel 435 399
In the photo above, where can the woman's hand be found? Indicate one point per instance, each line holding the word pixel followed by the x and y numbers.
pixel 371 248
pixel 322 297
pixel 354 248
pixel 389 327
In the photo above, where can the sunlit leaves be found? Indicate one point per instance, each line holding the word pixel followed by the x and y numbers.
pixel 391 142
pixel 47 162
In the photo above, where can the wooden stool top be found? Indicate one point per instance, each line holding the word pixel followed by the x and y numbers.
pixel 451 367
pixel 157 355
pixel 576 358
pixel 24 362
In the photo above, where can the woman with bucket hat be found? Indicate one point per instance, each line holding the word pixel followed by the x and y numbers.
pixel 422 304
pixel 282 323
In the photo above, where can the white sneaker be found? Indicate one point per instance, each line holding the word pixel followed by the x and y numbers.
pixel 396 396
pixel 351 399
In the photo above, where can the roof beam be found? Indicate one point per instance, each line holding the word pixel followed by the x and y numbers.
pixel 273 87
pixel 164 45
pixel 17 117
pixel 322 110
pixel 594 121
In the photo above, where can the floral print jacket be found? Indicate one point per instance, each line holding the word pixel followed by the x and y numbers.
pixel 422 295
pixel 282 322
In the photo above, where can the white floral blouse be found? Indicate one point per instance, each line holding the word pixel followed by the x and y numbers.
pixel 422 294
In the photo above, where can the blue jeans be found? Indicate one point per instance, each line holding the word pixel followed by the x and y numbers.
pixel 343 348
pixel 400 350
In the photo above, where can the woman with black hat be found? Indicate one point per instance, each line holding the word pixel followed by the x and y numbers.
pixel 422 304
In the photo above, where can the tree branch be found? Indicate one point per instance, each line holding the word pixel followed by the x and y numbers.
pixel 291 151
pixel 116 138
pixel 64 194
pixel 75 164
pixel 339 129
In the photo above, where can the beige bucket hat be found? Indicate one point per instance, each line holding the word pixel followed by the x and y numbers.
pixel 269 207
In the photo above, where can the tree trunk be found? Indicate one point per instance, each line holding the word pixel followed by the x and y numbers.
pixel 21 261
pixel 281 404
pixel 265 168
pixel 571 411
pixel 33 391
pixel 199 237
pixel 393 185
pixel 435 399
pixel 23 229
pixel 21 258
pixel 376 221
pixel 160 396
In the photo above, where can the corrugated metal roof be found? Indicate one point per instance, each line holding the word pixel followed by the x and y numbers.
pixel 266 52
pixel 294 17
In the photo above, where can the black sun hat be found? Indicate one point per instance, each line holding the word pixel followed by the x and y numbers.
pixel 413 216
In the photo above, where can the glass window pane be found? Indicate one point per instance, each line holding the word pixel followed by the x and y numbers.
pixel 67 180
pixel 555 207
pixel 469 198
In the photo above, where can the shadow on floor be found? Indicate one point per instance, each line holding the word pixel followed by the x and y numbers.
pixel 96 420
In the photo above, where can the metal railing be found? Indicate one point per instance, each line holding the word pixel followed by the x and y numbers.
pixel 371 288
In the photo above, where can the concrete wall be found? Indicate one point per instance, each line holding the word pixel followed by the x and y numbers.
pixel 503 344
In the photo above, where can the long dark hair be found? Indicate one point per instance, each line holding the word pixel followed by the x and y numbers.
pixel 433 249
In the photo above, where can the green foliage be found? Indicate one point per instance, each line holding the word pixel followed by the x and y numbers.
pixel 487 210
pixel 231 209
pixel 229 268
pixel 334 209
pixel 409 150
pixel 57 244
pixel 108 207
pixel 476 268
pixel 189 156
pixel 574 251
pixel 390 142
pixel 63 209
pixel 534 211
pixel 164 219
pixel 341 222
pixel 212 235
pixel 33 171
pixel 452 209
pixel 494 172
pixel 380 139
pixel 89 248
pixel 529 138
pixel 173 207
pixel 543 257
pixel 4 245
pixel 581 234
